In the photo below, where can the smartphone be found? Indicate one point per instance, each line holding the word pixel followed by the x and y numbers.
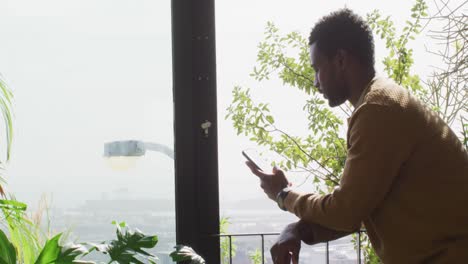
pixel 259 162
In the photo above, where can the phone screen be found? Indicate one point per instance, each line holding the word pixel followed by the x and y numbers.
pixel 260 162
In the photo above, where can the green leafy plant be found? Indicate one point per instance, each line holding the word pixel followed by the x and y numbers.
pixel 225 243
pixel 6 97
pixel 22 231
pixel 186 254
pixel 13 218
pixel 52 252
pixel 256 256
pixel 128 247
pixel 400 58
pixel 25 232
pixel 7 250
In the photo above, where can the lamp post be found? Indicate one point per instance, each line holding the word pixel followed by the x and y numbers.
pixel 122 155
pixel 134 148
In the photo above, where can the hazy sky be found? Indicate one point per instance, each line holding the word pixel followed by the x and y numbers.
pixel 85 72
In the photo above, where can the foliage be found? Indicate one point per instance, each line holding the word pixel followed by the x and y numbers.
pixel 6 97
pixel 54 253
pixel 7 250
pixel 184 253
pixel 126 249
pixel 225 243
pixel 370 257
pixel 128 246
pixel 311 153
pixel 51 253
pixel 400 59
pixel 256 256
pixel 24 233
pixel 322 152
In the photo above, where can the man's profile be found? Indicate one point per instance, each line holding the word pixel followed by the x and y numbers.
pixel 406 173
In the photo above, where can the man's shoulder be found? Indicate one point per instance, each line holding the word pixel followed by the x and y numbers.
pixel 386 92
pixel 385 97
pixel 383 94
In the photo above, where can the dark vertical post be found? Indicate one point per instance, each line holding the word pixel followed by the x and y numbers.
pixel 327 258
pixel 230 249
pixel 196 153
pixel 359 247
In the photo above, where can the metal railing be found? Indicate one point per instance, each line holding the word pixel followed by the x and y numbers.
pixel 262 236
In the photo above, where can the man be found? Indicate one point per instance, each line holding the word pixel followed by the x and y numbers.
pixel 406 172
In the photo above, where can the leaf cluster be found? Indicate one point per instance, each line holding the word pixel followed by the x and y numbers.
pixel 186 254
pixel 128 246
pixel 227 245
pixel 322 153
pixel 126 249
pixel 399 61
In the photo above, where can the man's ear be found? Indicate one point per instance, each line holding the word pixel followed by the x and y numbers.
pixel 341 58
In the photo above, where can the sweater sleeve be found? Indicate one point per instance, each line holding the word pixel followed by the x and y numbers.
pixel 377 148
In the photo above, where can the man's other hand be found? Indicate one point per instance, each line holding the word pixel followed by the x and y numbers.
pixel 287 246
pixel 271 183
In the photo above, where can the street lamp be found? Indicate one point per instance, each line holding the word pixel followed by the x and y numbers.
pixel 123 154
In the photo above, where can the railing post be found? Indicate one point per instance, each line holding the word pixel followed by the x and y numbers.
pixel 359 246
pixel 263 248
pixel 230 249
pixel 328 253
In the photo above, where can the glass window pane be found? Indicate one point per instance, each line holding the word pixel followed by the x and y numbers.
pixel 86 72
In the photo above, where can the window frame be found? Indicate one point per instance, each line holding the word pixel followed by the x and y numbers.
pixel 195 102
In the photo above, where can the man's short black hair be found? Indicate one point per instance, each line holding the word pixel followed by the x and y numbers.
pixel 343 29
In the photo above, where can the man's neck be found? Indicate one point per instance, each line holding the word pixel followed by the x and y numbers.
pixel 358 87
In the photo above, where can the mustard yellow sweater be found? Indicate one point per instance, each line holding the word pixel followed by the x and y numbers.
pixel 405 179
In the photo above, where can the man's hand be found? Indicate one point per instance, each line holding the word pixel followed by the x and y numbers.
pixel 271 184
pixel 287 246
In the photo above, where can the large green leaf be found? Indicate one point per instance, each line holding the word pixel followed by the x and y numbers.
pixel 12 205
pixel 69 253
pixel 184 253
pixel 135 240
pixel 24 234
pixel 128 246
pixel 50 252
pixel 7 250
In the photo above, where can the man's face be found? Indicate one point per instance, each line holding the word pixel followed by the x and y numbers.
pixel 329 79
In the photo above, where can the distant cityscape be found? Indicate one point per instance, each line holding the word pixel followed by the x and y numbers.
pixel 91 222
